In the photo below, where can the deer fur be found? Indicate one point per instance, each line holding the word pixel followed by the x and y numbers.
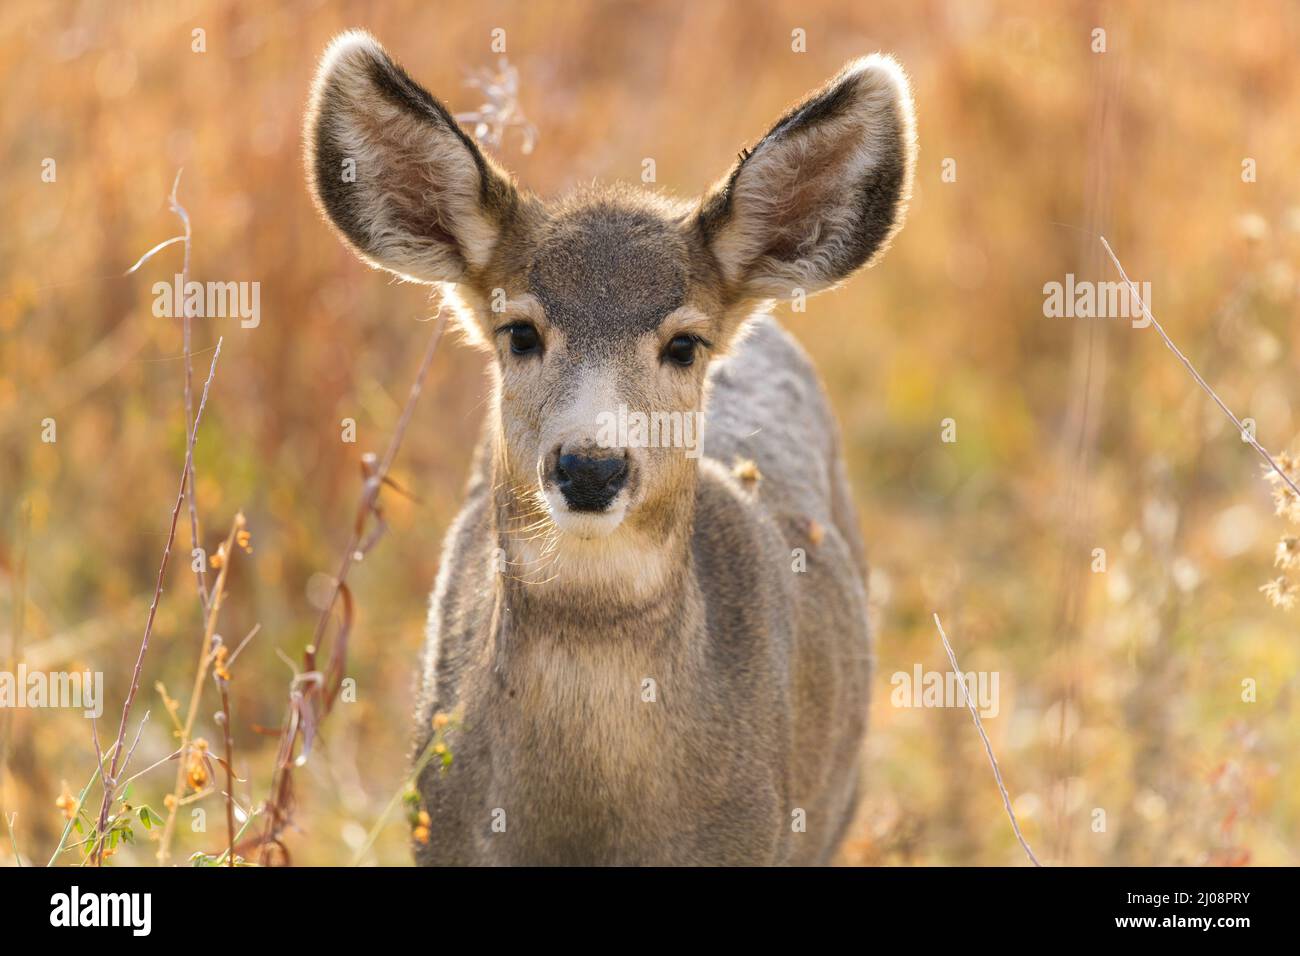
pixel 678 674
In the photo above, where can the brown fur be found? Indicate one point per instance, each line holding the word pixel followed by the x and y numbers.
pixel 548 626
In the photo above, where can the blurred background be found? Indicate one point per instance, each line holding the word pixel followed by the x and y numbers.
pixel 1121 689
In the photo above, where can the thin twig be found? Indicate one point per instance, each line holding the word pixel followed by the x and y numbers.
pixel 277 804
pixel 99 753
pixel 13 840
pixel 244 643
pixel 18 580
pixel 1241 429
pixel 248 822
pixel 116 749
pixel 207 652
pixel 148 255
pixel 157 763
pixel 370 491
pixel 72 817
pixel 199 573
pixel 224 686
pixel 425 757
pixel 988 748
pixel 135 743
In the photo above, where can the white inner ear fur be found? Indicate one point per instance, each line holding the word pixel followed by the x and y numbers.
pixel 776 181
pixel 407 167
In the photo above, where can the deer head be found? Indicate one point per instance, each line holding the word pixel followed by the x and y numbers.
pixel 613 301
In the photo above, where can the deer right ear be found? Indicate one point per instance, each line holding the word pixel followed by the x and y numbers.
pixel 822 193
pixel 407 188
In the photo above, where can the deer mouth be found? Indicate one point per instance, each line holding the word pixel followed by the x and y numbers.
pixel 585 523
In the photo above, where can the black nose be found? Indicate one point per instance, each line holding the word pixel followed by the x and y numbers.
pixel 590 484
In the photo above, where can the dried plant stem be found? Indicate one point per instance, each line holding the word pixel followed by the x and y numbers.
pixel 224 687
pixel 72 817
pixel 370 491
pixel 13 840
pixel 280 794
pixel 229 854
pixel 199 573
pixel 206 654
pixel 1241 429
pixel 18 578
pixel 116 749
pixel 157 763
pixel 380 823
pixel 988 748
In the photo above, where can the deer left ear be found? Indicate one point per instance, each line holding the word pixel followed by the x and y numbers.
pixel 405 186
pixel 822 193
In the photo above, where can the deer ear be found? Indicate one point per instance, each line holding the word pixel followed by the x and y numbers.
pixel 406 187
pixel 822 193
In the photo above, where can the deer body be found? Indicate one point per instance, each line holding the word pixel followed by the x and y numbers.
pixel 761 674
pixel 646 657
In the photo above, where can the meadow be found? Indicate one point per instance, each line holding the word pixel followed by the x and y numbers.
pixel 1088 524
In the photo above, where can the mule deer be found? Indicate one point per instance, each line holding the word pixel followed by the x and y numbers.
pixel 648 657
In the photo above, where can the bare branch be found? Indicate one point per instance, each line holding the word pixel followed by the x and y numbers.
pixel 184 216
pixel 135 743
pixel 1241 429
pixel 150 254
pixel 988 748
pixel 107 803
pixel 310 700
pixel 244 643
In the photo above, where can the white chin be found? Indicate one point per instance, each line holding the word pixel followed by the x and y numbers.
pixel 587 525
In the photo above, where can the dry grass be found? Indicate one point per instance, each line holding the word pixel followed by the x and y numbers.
pixel 1121 690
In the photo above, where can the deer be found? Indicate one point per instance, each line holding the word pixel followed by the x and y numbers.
pixel 635 654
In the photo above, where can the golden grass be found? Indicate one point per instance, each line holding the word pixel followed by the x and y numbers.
pixel 1122 690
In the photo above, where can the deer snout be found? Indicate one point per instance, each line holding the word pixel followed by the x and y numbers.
pixel 590 479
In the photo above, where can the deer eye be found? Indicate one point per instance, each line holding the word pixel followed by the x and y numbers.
pixel 524 339
pixel 681 350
